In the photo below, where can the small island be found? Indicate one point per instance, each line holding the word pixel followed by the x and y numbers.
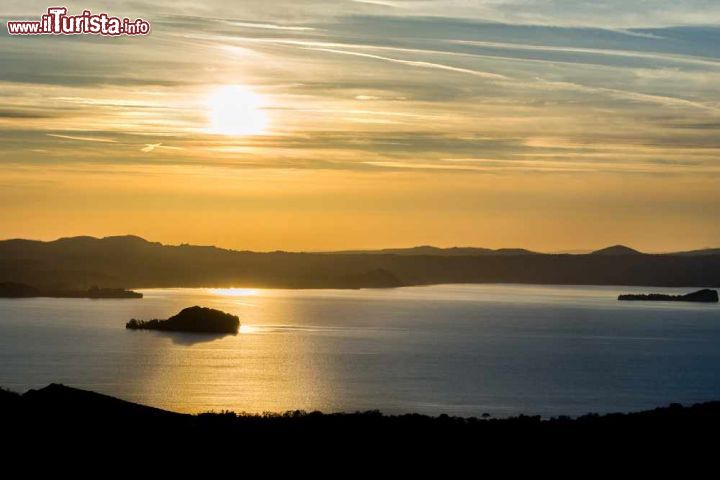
pixel 704 296
pixel 192 319
pixel 21 290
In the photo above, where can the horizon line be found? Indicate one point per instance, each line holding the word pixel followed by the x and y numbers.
pixel 360 250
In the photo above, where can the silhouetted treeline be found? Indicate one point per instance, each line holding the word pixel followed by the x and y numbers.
pixel 131 261
pixel 57 412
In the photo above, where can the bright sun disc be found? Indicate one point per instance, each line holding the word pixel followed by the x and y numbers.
pixel 236 110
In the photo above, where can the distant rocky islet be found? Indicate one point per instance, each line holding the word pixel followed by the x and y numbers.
pixel 193 320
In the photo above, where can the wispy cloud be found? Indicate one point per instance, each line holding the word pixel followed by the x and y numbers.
pixel 665 57
pixel 415 63
pixel 383 3
pixel 82 139
pixel 270 26
pixel 150 147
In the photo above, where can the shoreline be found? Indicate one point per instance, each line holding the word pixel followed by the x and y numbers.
pixel 60 394
pixel 49 393
pixel 419 285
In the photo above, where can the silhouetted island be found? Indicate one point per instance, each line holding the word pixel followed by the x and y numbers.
pixel 192 319
pixel 21 290
pixel 705 296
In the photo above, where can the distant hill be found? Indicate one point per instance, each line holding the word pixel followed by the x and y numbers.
pixel 132 262
pixel 59 400
pixel 616 250
pixel 706 251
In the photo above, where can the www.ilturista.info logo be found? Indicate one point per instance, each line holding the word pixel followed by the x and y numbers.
pixel 58 22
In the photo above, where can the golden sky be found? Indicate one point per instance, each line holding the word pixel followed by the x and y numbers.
pixel 335 125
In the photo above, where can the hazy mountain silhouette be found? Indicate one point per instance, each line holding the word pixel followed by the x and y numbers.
pixel 616 250
pixel 131 262
pixel 706 251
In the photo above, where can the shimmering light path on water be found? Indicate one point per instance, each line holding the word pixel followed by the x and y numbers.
pixel 458 349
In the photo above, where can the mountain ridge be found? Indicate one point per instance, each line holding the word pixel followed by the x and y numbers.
pixel 132 262
pixel 130 239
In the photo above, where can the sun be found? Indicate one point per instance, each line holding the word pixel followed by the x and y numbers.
pixel 236 110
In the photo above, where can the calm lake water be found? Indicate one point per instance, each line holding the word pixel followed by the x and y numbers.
pixel 456 349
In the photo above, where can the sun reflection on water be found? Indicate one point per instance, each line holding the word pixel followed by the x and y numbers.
pixel 272 364
pixel 235 292
pixel 245 329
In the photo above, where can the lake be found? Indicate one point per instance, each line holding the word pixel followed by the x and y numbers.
pixel 455 349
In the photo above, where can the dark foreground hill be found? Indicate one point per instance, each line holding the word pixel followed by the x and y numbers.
pixel 57 412
pixel 122 262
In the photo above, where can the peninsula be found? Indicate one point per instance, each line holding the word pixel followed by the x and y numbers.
pixel 21 290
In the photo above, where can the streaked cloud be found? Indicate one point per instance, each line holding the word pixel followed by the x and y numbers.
pixel 82 139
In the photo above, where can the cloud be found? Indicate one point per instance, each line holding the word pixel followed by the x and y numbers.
pixel 366 84
pixel 82 139
pixel 665 57
pixel 150 147
pixel 618 14
pixel 270 26
pixel 22 114
pixel 416 63
pixel 382 3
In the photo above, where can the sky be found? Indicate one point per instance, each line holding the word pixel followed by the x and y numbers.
pixel 337 124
